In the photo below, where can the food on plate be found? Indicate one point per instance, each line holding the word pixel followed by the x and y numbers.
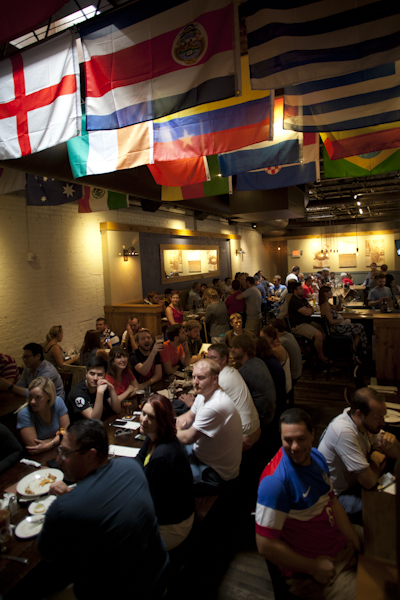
pixel 29 491
pixel 39 508
pixel 49 479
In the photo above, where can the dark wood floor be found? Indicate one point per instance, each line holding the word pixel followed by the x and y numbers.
pixel 235 570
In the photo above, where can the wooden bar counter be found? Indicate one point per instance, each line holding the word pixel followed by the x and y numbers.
pixel 148 314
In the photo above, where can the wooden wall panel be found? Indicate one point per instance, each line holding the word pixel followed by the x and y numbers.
pixel 277 259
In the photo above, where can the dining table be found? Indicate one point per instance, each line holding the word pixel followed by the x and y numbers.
pixel 16 578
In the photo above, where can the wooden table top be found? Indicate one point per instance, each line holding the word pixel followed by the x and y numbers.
pixel 376 580
pixel 379 517
pixel 12 572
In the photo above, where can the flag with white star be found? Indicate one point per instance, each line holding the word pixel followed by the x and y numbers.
pixel 45 191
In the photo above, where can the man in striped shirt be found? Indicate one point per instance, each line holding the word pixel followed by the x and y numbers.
pixel 300 525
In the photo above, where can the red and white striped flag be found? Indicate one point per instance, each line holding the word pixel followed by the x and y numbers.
pixel 39 97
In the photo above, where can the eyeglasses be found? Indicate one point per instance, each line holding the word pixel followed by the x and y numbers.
pixel 27 356
pixel 63 453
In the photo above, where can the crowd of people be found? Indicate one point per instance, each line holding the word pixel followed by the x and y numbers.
pixel 239 417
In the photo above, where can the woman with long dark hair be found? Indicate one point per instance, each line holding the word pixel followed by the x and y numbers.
pixel 167 469
pixel 120 375
pixel 173 312
pixel 92 346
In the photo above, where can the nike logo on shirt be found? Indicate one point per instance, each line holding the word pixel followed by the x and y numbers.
pixel 307 492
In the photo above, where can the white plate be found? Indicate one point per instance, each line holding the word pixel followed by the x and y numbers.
pixel 34 482
pixel 392 418
pixel 27 528
pixel 39 507
pixel 393 413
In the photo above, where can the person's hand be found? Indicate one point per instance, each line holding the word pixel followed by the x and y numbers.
pixel 188 399
pixel 59 488
pixel 129 329
pixel 387 441
pixel 378 459
pixel 102 385
pixel 185 347
pixel 40 446
pixel 158 346
pixel 180 424
pixel 323 569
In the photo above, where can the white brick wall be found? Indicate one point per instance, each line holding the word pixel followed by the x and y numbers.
pixel 65 286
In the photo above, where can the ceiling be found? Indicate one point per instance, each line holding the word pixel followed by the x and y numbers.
pixel 328 202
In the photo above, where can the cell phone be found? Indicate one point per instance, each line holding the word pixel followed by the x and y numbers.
pixel 140 437
pixel 119 423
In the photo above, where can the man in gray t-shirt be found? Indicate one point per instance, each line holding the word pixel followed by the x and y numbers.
pixel 380 292
pixel 253 306
pixel 257 377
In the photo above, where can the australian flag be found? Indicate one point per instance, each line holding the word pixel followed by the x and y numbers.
pixel 45 191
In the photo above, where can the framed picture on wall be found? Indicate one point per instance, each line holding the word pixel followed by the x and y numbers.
pixel 181 262
pixel 374 251
pixel 347 261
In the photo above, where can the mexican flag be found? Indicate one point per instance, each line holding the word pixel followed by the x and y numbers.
pixel 96 200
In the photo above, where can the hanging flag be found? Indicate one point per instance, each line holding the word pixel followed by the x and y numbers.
pixel 283 149
pixel 362 99
pixel 180 172
pixel 285 175
pixel 212 132
pixel 44 191
pixel 11 181
pixel 96 152
pixel 340 144
pixel 39 97
pixel 96 200
pixel 216 186
pixel 295 42
pixel 373 163
pixel 152 59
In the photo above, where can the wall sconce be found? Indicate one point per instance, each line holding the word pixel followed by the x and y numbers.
pixel 239 251
pixel 130 252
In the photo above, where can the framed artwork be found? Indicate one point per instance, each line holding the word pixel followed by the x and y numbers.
pixel 374 251
pixel 347 261
pixel 180 262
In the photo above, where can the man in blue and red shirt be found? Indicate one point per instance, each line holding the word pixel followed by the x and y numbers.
pixel 300 525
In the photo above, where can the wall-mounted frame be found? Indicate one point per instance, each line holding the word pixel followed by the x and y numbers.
pixel 181 262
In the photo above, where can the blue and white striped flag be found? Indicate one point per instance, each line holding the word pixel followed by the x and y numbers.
pixel 305 40
pixel 363 99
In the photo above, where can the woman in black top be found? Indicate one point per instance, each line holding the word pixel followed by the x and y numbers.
pixel 167 469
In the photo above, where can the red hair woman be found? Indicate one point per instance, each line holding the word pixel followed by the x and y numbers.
pixel 167 469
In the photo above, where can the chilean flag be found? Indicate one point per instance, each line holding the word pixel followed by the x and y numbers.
pixel 155 58
pixel 39 97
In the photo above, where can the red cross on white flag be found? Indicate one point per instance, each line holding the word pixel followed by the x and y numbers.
pixel 39 97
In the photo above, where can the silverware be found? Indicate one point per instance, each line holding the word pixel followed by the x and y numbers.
pixel 25 561
pixel 34 522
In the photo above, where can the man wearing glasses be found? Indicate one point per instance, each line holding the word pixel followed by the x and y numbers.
pixel 35 366
pixel 106 522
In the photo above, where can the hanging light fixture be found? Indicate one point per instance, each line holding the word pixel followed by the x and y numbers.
pixel 356 237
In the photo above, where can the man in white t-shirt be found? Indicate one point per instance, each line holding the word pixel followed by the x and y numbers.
pixel 235 386
pixel 211 430
pixel 355 448
pixel 293 275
